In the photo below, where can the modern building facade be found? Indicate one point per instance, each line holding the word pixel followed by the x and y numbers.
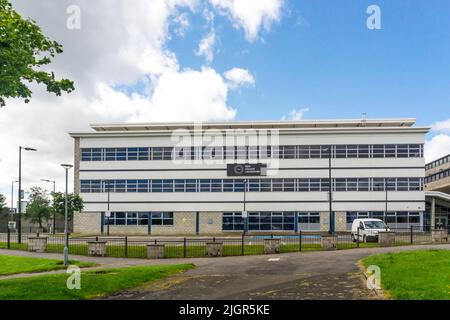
pixel 437 185
pixel 185 178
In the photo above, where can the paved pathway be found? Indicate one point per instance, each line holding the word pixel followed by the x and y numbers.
pixel 307 275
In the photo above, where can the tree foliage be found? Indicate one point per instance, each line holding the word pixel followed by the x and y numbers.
pixel 38 208
pixel 24 50
pixel 4 210
pixel 74 203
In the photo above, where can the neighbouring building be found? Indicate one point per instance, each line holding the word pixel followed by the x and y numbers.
pixel 437 185
pixel 185 178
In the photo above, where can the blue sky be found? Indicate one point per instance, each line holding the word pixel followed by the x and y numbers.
pixel 138 61
pixel 321 55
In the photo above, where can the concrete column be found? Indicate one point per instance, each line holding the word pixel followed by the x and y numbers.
pixel 433 213
pixel 97 248
pixel 440 235
pixel 272 245
pixel 329 241
pixel 155 251
pixel 37 244
pixel 214 249
pixel 386 238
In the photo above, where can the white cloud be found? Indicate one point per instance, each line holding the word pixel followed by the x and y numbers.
pixel 441 126
pixel 178 96
pixel 182 24
pixel 439 145
pixel 118 46
pixel 206 46
pixel 296 114
pixel 250 15
pixel 238 77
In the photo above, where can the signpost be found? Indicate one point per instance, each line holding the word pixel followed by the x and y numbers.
pixel 11 225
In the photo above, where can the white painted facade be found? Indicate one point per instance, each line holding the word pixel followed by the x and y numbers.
pixel 333 132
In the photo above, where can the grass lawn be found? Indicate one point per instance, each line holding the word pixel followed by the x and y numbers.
pixel 192 251
pixel 94 284
pixel 409 275
pixel 13 265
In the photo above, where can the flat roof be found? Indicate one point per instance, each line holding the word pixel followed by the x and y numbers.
pixel 285 127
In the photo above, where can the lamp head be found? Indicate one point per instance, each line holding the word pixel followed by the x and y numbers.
pixel 66 166
pixel 30 149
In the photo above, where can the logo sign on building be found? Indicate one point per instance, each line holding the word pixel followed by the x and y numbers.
pixel 246 169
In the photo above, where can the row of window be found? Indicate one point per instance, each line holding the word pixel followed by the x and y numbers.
pixel 263 221
pixel 254 152
pixel 140 219
pixel 438 176
pixel 308 221
pixel 252 185
pixel 438 162
pixel 391 217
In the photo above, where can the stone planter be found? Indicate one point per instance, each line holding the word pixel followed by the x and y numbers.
pixel 97 248
pixel 37 244
pixel 329 242
pixel 386 238
pixel 439 235
pixel 272 245
pixel 155 251
pixel 214 249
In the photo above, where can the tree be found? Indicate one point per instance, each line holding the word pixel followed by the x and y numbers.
pixel 38 208
pixel 23 50
pixel 4 210
pixel 74 203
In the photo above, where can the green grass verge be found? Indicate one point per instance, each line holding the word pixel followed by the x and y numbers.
pixel 94 284
pixel 192 251
pixel 13 265
pixel 414 275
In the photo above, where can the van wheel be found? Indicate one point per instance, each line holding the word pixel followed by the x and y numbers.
pixel 353 238
pixel 364 239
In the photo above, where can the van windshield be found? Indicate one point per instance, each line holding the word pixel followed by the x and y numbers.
pixel 375 224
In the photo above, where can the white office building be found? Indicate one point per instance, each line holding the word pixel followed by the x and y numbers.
pixel 182 178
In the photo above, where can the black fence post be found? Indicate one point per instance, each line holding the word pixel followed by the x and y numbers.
pixel 242 244
pixel 411 234
pixel 300 241
pixel 357 238
pixel 9 238
pixel 184 247
pixel 126 246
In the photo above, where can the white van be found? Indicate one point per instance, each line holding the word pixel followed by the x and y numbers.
pixel 368 229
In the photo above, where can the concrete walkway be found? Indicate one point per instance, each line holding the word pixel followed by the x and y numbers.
pixel 306 275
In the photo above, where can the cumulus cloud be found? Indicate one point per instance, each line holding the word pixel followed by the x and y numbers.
pixel 206 46
pixel 295 114
pixel 250 15
pixel 123 72
pixel 238 77
pixel 439 145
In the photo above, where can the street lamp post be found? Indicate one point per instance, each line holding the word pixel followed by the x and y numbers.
pixel 12 195
pixel 19 206
pixel 330 194
pixel 386 180
pixel 245 211
pixel 109 212
pixel 54 191
pixel 66 235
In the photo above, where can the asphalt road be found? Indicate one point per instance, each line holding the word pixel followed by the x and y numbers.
pixel 309 275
